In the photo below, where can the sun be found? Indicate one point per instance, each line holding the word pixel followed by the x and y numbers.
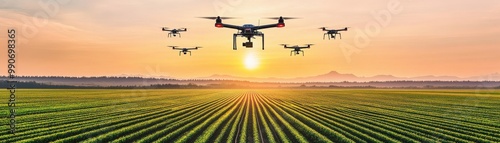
pixel 251 61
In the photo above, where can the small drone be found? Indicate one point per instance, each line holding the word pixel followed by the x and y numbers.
pixel 184 50
pixel 248 30
pixel 174 32
pixel 332 32
pixel 297 49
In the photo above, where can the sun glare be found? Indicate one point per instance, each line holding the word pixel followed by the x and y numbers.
pixel 251 61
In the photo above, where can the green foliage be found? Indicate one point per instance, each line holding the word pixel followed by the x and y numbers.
pixel 269 115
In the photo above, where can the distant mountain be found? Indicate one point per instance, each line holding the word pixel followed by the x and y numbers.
pixel 330 79
pixel 334 76
pixel 431 77
pixel 490 77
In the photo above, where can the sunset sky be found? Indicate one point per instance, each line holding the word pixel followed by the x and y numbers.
pixel 110 37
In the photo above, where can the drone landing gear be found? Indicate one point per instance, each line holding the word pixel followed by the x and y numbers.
pixel 332 35
pixel 185 53
pixel 296 53
pixel 170 35
pixel 340 35
pixel 248 44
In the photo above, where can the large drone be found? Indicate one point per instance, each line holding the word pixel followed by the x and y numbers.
pixel 184 50
pixel 333 32
pixel 297 49
pixel 248 30
pixel 174 32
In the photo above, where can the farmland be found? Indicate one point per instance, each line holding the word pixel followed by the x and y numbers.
pixel 268 115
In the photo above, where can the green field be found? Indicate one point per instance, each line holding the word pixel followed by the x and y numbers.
pixel 211 115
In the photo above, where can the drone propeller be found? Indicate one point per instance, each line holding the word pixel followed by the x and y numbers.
pixel 284 18
pixel 327 28
pixel 164 28
pixel 198 47
pixel 309 44
pixel 212 18
pixel 283 44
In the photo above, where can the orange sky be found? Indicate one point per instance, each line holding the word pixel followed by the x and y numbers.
pixel 108 37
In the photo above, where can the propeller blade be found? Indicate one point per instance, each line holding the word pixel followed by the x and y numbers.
pixel 208 17
pixel 213 18
pixel 322 28
pixel 284 18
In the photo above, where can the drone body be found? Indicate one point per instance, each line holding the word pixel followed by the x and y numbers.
pixel 297 49
pixel 248 31
pixel 174 32
pixel 184 50
pixel 332 33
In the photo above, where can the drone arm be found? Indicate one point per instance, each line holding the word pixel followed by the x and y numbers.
pixel 265 26
pixel 232 26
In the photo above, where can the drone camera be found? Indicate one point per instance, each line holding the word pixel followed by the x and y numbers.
pixel 248 44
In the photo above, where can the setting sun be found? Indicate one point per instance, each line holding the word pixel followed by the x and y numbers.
pixel 251 61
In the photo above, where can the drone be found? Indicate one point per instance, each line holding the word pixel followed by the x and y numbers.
pixel 184 50
pixel 332 32
pixel 248 30
pixel 174 32
pixel 297 49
